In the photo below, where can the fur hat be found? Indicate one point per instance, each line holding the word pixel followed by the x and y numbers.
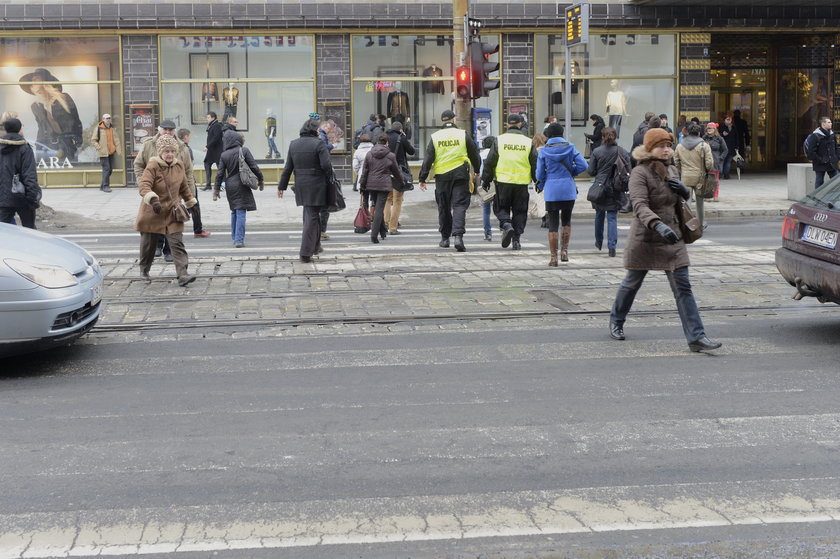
pixel 166 141
pixel 656 136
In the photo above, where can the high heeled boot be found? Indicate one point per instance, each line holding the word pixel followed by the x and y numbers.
pixel 564 243
pixel 552 247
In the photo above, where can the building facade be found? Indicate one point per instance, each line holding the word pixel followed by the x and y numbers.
pixel 270 64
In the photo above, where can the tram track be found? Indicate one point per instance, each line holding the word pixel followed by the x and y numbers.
pixel 195 324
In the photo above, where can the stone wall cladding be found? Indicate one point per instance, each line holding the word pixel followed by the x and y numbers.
pixel 140 80
pixel 332 75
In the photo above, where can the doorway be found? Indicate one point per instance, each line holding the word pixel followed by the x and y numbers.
pixel 781 89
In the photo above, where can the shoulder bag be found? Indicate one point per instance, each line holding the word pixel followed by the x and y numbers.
pixel 180 213
pixel 710 182
pixel 690 227
pixel 246 175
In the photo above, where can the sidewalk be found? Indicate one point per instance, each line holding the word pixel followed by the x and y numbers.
pixel 756 195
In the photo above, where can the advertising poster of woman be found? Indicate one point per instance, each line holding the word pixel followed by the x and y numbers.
pixel 54 116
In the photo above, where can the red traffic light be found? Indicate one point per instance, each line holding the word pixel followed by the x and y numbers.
pixel 462 82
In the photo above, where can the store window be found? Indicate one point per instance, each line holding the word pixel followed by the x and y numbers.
pixel 267 83
pixel 618 77
pixel 409 78
pixel 60 87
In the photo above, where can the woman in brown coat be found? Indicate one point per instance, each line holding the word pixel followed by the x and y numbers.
pixel 162 186
pixel 654 242
pixel 380 165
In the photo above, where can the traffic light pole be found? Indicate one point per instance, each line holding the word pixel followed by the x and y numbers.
pixel 460 8
pixel 567 92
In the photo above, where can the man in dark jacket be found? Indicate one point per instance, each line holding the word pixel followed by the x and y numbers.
pixel 729 133
pixel 451 151
pixel 213 150
pixel 822 151
pixel 512 163
pixel 309 159
pixel 16 158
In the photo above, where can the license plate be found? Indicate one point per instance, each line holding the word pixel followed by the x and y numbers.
pixel 819 236
pixel 95 294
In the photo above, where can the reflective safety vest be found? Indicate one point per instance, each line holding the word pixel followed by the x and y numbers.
pixel 514 165
pixel 450 149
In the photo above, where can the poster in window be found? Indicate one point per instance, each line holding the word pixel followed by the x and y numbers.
pixel 206 96
pixel 334 123
pixel 142 122
pixel 55 115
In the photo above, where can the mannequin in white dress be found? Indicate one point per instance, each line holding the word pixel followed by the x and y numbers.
pixel 616 106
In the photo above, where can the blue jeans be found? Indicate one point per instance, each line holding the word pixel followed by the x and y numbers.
pixel 107 168
pixel 727 164
pixel 820 179
pixel 272 147
pixel 485 214
pixel 681 287
pixel 237 225
pixel 612 228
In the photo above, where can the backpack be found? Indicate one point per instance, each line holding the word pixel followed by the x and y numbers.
pixel 620 174
pixel 806 145
pixel 370 128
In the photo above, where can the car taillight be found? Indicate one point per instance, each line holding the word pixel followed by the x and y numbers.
pixel 789 228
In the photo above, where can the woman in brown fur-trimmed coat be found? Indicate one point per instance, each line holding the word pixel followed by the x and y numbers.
pixel 162 186
pixel 654 242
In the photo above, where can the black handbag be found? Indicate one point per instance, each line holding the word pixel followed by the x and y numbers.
pixel 597 192
pixel 339 203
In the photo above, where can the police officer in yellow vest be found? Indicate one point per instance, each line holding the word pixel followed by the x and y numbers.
pixel 451 151
pixel 512 163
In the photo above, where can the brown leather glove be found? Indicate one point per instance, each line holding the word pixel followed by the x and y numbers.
pixel 156 205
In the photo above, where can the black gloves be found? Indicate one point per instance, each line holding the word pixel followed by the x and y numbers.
pixel 539 187
pixel 677 186
pixel 156 205
pixel 666 232
pixel 486 186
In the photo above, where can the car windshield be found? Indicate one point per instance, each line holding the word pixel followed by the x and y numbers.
pixel 826 196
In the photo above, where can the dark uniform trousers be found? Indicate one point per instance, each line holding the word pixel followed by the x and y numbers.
pixel 511 206
pixel 148 242
pixel 453 198
pixel 311 238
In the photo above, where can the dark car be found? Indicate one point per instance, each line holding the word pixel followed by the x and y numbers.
pixel 809 258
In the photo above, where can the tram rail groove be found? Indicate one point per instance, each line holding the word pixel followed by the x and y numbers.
pixel 394 319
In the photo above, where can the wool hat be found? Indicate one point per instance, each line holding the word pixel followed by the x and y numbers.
pixel 12 125
pixel 166 141
pixel 712 125
pixel 514 118
pixel 106 115
pixel 447 115
pixel 656 136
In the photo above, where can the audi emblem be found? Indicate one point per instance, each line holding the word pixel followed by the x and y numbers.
pixel 821 218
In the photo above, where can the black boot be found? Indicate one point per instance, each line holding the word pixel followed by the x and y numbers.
pixel 459 243
pixel 703 344
pixel 516 244
pixel 507 234
pixel 616 331
pixel 444 243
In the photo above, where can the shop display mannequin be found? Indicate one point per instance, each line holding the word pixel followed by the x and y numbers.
pixel 230 96
pixel 433 71
pixel 398 101
pixel 271 133
pixel 616 106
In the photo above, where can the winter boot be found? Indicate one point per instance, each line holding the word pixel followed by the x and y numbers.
pixel 552 246
pixel 564 243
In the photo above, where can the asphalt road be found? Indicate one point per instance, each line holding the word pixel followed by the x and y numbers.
pixel 514 437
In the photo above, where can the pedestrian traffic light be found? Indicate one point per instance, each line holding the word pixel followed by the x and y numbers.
pixel 462 82
pixel 482 68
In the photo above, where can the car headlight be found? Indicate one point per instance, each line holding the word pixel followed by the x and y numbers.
pixel 44 275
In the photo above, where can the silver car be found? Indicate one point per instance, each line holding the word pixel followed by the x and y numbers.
pixel 50 290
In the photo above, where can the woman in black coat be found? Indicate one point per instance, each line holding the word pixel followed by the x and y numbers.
pixel 16 158
pixel 239 196
pixel 601 165
pixel 380 166
pixel 595 137
pixel 309 159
